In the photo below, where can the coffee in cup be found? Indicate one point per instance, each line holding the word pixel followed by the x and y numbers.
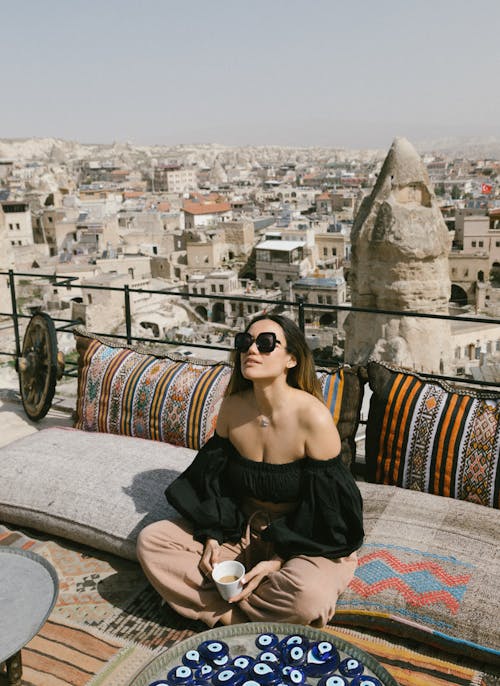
pixel 228 577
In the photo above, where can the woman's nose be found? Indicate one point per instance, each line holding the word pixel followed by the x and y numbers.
pixel 253 348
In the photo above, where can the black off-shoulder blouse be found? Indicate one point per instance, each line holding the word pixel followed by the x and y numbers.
pixel 328 519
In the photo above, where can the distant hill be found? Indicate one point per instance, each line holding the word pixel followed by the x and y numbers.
pixel 473 147
pixel 57 150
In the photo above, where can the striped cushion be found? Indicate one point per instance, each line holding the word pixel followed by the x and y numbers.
pixel 433 437
pixel 123 391
pixel 343 394
pixel 136 392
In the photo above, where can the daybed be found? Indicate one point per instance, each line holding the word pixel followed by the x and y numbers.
pixel 429 567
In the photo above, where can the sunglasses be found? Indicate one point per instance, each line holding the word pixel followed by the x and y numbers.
pixel 266 342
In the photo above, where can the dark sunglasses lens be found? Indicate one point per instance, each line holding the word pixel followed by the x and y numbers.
pixel 266 342
pixel 242 342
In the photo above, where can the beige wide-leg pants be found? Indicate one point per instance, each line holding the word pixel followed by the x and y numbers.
pixel 303 591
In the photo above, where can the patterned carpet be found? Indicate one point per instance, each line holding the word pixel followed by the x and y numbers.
pixel 108 623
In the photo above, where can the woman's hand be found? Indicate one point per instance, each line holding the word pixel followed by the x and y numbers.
pixel 210 557
pixel 255 576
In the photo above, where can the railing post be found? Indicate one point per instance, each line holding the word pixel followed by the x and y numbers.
pixel 15 319
pixel 302 321
pixel 128 321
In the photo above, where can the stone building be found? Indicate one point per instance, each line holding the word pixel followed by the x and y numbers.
pixel 279 263
pixel 400 245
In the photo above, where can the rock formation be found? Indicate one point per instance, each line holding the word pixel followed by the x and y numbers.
pixel 400 246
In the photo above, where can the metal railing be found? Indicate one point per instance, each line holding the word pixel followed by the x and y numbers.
pixel 299 305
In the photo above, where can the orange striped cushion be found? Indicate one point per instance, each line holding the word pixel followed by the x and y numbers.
pixel 429 436
pixel 131 393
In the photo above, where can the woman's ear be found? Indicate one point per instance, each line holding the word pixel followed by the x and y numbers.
pixel 292 362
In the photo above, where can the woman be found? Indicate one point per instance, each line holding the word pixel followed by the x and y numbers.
pixel 267 489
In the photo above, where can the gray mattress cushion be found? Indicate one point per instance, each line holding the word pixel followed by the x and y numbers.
pixel 96 489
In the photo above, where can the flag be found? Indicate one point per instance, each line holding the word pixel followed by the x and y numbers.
pixel 486 188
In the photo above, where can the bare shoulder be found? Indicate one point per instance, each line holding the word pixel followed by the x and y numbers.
pixel 230 408
pixel 322 436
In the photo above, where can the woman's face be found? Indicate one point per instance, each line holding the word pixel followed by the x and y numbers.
pixel 256 365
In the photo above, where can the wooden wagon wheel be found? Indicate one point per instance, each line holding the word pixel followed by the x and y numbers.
pixel 39 366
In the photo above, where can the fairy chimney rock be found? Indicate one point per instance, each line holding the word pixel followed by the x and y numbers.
pixel 400 246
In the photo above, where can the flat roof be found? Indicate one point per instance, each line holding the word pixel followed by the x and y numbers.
pixel 280 245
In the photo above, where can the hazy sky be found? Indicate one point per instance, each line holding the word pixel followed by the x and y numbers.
pixel 315 72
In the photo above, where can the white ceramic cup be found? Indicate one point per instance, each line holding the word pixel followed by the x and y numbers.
pixel 228 577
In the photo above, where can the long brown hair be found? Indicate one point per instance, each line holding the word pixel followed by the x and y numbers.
pixel 302 376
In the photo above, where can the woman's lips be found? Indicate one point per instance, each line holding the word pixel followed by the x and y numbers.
pixel 251 361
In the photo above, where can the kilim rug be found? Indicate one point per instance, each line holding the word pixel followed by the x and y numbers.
pixel 108 623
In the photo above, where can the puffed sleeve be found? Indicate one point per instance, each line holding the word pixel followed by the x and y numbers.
pixel 201 495
pixel 328 521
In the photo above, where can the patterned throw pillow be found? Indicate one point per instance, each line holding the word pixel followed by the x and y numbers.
pixel 343 394
pixel 131 393
pixel 429 436
pixel 137 391
pixel 428 571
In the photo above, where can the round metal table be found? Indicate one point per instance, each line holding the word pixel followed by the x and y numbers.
pixel 28 592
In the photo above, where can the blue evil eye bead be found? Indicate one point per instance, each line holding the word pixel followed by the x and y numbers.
pixel 324 650
pixel 192 659
pixel 266 641
pixel 351 667
pixel 294 655
pixel 180 676
pixel 295 676
pixel 264 673
pixel 294 639
pixel 243 662
pixel 365 680
pixel 250 682
pixel 317 667
pixel 203 672
pixel 229 676
pixel 333 680
pixel 268 656
pixel 215 652
pixel 159 683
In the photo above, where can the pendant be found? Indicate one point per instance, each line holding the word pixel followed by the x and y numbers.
pixel 264 421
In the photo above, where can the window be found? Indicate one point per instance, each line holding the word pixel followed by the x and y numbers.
pixel 334 251
pixel 18 227
pixel 497 244
pixel 195 290
pixel 481 244
pixel 466 272
pixel 89 299
pixel 213 288
pixel 325 251
pixel 328 299
pixel 268 276
pixel 221 288
pixel 203 291
pixel 473 244
pixel 11 228
pixel 320 299
pixel 457 353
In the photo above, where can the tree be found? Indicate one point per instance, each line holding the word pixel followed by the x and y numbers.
pixel 456 193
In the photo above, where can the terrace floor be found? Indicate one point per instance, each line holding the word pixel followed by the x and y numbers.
pixel 14 423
